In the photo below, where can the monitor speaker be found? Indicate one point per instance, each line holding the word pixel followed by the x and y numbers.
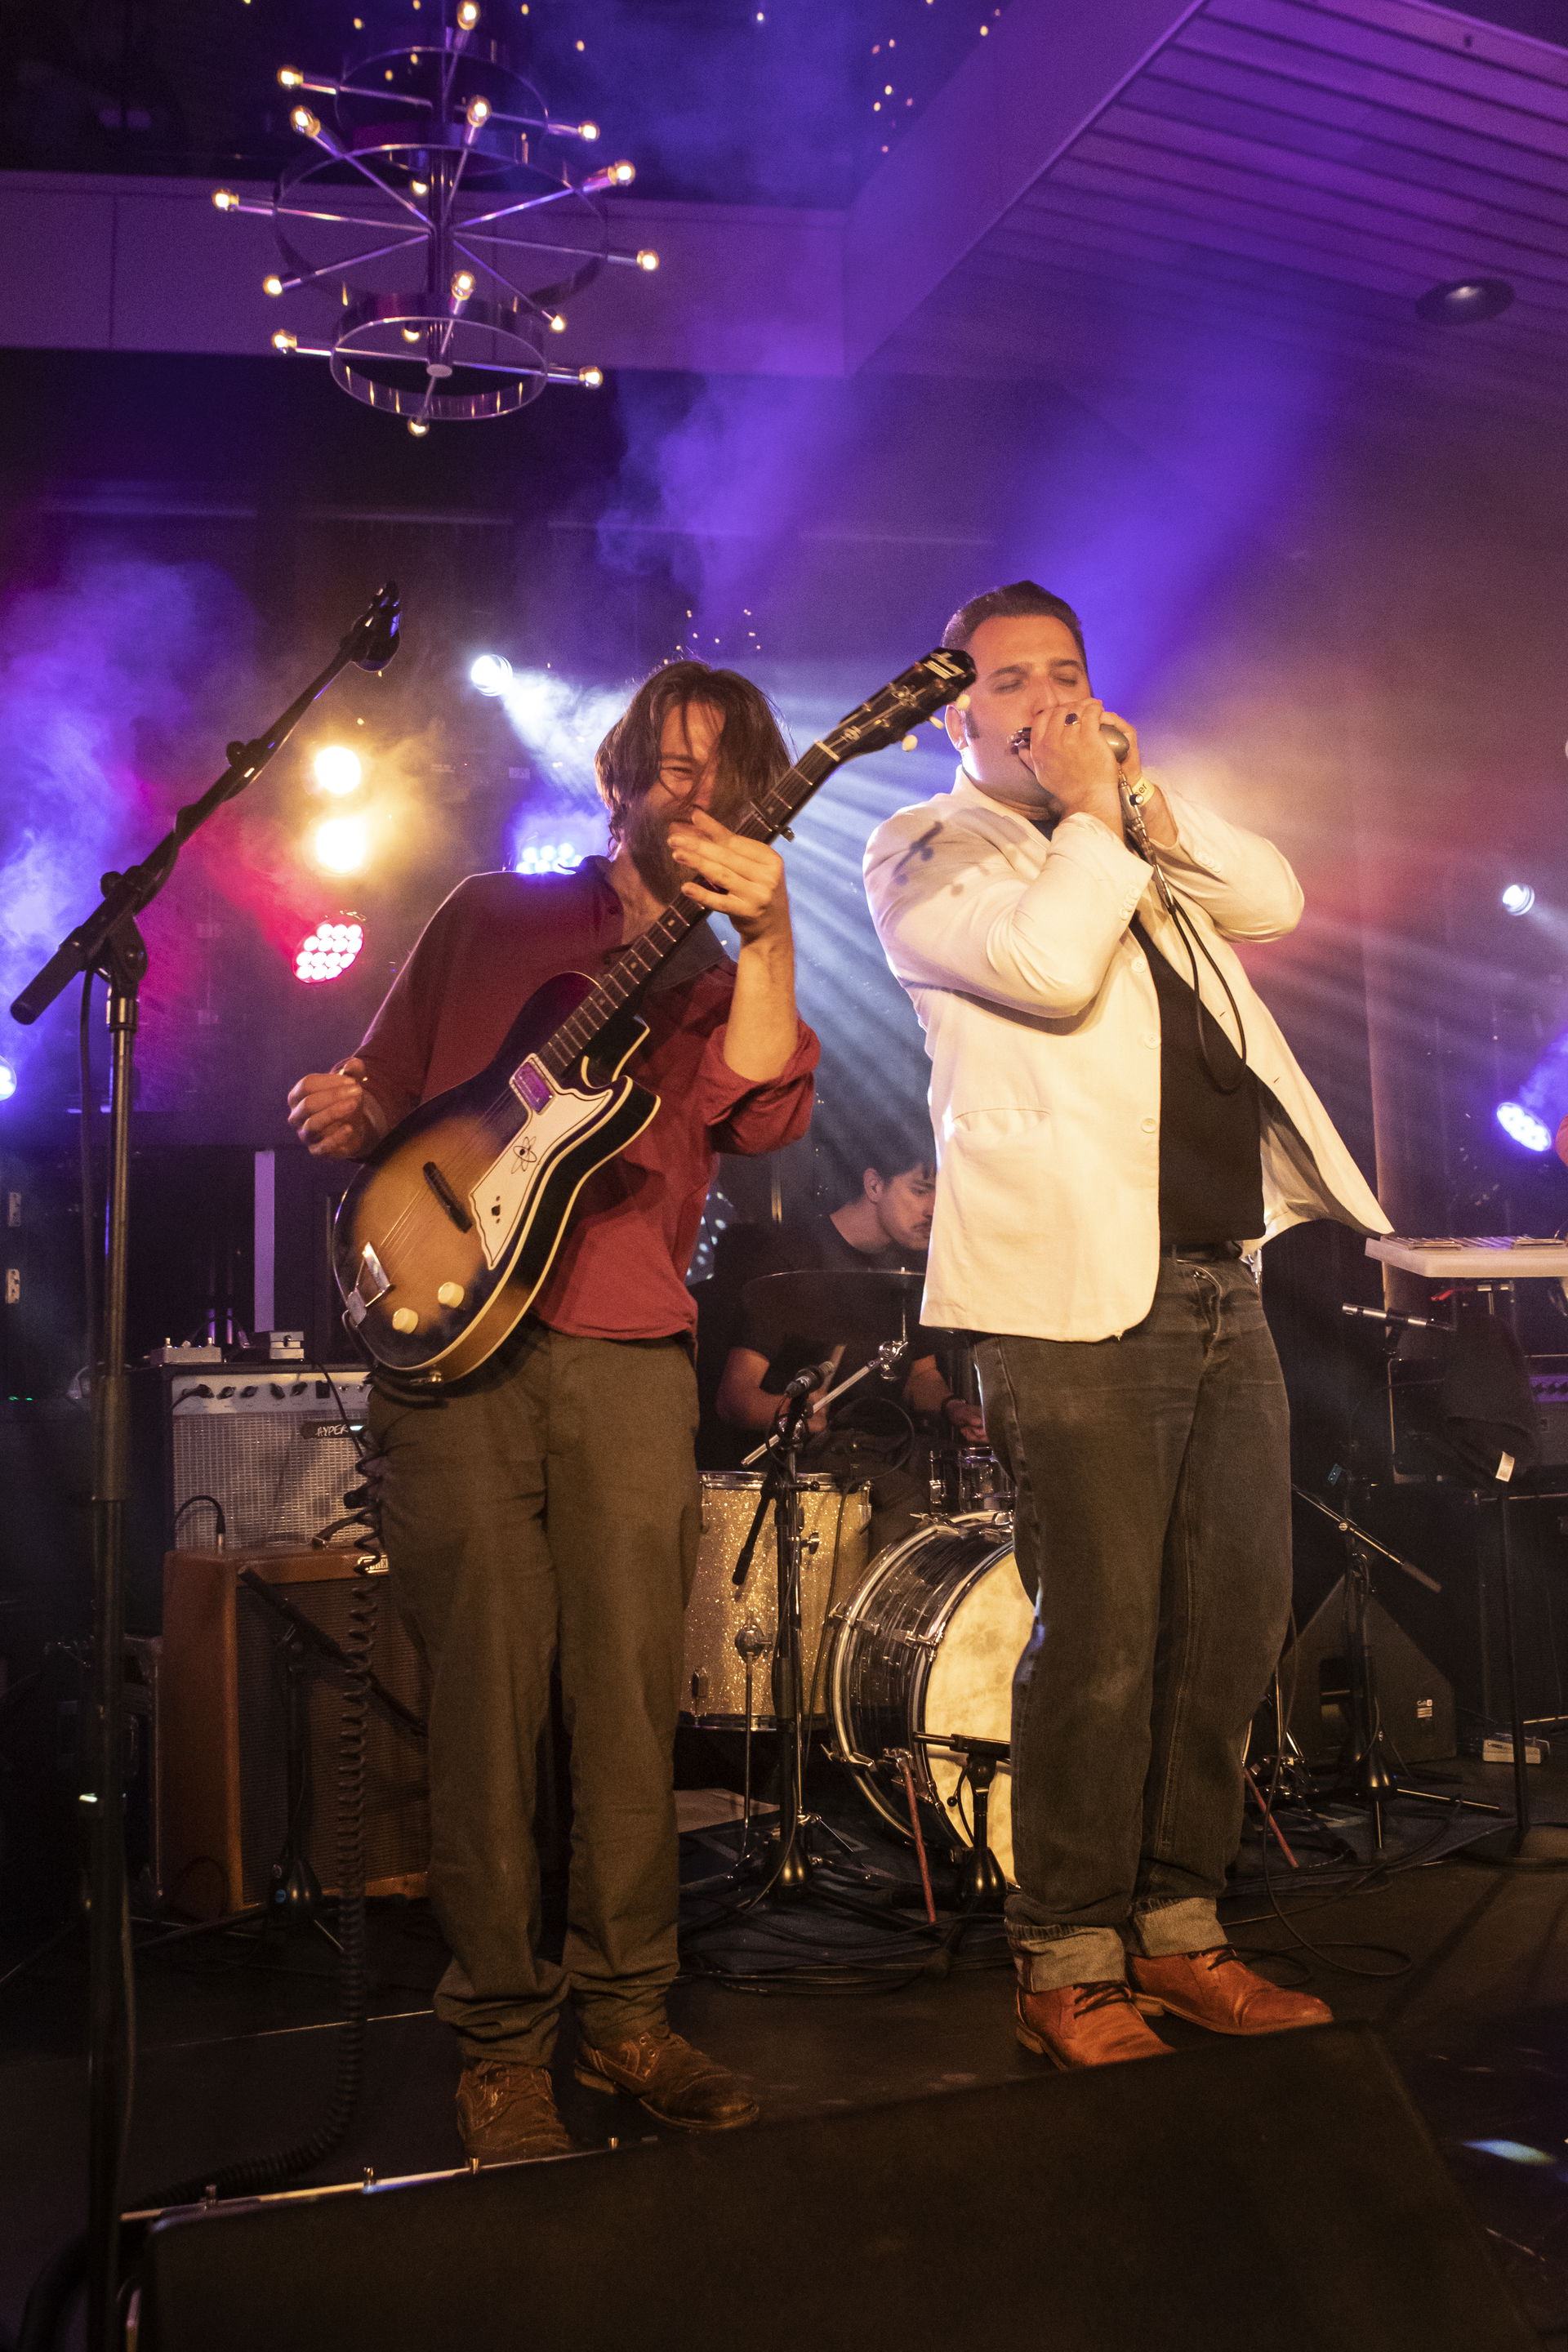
pixel 1416 1703
pixel 1281 2191
pixel 249 1712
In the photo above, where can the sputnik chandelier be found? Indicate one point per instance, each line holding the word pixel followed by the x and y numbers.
pixel 430 207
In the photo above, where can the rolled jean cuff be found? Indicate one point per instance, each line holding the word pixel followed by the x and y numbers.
pixel 1165 1928
pixel 1081 1956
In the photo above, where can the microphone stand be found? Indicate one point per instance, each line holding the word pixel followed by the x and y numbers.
pixel 110 943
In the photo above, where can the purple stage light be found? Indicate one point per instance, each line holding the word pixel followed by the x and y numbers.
pixel 8 1081
pixel 1524 1126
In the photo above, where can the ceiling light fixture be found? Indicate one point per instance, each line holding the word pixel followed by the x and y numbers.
pixel 1463 301
pixel 431 163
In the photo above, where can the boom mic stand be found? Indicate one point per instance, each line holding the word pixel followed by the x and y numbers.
pixel 109 942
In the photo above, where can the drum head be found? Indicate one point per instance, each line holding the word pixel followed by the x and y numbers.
pixel 969 1691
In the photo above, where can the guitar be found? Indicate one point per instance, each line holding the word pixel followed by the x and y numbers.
pixel 446 1235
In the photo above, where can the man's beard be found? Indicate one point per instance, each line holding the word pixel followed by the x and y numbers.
pixel 647 837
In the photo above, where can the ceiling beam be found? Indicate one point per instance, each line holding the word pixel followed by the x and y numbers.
pixel 1044 73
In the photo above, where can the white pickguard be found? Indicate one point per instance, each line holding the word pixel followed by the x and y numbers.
pixel 502 1200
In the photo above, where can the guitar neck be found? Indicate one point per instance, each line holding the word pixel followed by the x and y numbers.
pixel 636 965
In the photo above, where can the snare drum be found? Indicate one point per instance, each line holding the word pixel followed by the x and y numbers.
pixel 926 1648
pixel 723 1626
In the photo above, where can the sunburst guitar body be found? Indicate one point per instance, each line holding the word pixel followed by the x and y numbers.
pixel 448 1233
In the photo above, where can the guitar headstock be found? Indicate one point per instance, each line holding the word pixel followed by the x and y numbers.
pixel 914 695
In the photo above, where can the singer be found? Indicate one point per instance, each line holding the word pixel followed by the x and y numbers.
pixel 547 1507
pixel 1120 1124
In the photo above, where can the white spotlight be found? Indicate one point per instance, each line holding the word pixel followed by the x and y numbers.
pixel 338 770
pixel 342 845
pixel 1518 898
pixel 491 673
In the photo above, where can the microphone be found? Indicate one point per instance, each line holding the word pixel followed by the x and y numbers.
pixel 1113 735
pixel 380 627
pixel 807 1382
pixel 1395 1322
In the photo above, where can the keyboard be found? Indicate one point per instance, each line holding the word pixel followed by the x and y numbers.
pixel 1474 1257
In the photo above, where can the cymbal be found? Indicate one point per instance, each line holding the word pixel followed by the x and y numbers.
pixel 837 1305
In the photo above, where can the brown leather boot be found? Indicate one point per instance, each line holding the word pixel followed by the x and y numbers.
pixel 1086 2025
pixel 507 2112
pixel 676 2083
pixel 1218 1990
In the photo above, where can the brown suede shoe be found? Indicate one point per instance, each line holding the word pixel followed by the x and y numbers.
pixel 676 2083
pixel 1218 1990
pixel 1086 2025
pixel 507 2112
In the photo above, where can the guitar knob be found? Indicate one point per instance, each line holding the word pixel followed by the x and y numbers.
pixel 451 1294
pixel 404 1320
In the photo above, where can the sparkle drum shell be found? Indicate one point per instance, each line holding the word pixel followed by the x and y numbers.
pixel 927 1648
pixel 836 1521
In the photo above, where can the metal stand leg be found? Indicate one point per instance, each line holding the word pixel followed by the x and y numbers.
pixel 1524 1847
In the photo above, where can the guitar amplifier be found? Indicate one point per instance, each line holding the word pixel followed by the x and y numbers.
pixel 267 1443
pixel 249 1711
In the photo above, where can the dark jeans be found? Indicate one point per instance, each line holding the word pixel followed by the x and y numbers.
pixel 1154 1520
pixel 549 1509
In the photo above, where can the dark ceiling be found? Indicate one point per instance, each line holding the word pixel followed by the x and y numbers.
pixel 768 101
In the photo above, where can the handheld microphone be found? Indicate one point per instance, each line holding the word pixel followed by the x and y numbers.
pixel 380 626
pixel 1113 735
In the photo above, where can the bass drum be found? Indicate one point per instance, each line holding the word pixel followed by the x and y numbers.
pixel 923 1651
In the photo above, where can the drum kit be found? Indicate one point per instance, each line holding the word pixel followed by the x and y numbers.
pixel 904 1661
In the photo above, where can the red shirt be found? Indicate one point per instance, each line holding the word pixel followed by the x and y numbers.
pixel 621 1270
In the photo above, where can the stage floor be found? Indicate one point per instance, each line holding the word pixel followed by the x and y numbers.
pixel 236 2046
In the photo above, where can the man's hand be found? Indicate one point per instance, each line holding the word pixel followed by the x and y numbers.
pixel 740 878
pixel 331 1114
pixel 1070 758
pixel 967 1419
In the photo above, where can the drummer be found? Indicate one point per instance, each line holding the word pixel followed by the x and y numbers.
pixel 871 1432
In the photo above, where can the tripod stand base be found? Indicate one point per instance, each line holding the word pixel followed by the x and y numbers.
pixel 1545 1848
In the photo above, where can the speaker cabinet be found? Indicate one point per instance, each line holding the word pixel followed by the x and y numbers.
pixel 1416 1703
pixel 1279 2193
pixel 249 1708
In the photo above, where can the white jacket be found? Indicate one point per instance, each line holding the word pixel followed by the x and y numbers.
pixel 1043 1028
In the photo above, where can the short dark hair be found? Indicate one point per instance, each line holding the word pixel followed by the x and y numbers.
pixel 752 749
pixel 1002 603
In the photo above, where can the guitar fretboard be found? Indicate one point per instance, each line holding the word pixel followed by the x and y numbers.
pixel 635 965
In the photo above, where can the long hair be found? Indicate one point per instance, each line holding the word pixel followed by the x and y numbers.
pixel 751 751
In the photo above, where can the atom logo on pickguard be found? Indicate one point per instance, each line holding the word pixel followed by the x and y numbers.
pixel 525 1153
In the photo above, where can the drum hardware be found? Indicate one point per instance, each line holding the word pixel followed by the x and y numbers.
pixel 751 1643
pixel 981 1881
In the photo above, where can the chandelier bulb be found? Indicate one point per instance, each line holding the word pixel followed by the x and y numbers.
pixel 419 430
pixel 592 376
pixel 558 323
pixel 308 124
pixel 462 285
pixel 648 259
pixel 468 15
pixel 478 111
pixel 623 175
pixel 587 130
pixel 283 342
pixel 290 77
pixel 273 285
pixel 225 200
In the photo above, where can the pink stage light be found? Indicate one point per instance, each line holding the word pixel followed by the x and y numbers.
pixel 329 951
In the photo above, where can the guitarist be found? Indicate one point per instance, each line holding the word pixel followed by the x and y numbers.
pixel 547 1507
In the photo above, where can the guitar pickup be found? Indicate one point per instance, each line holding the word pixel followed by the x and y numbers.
pixel 448 1198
